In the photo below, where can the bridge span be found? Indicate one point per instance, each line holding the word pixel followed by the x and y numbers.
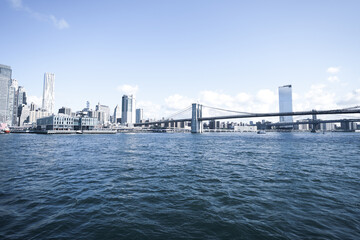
pixel 197 118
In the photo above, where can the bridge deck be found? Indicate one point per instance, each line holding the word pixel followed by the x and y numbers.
pixel 257 115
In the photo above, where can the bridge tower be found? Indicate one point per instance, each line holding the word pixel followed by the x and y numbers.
pixel 196 125
pixel 314 120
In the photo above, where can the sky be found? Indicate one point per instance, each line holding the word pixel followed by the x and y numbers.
pixel 171 53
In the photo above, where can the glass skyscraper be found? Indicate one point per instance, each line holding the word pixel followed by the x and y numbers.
pixel 13 102
pixel 5 78
pixel 128 109
pixel 49 93
pixel 139 115
pixel 285 103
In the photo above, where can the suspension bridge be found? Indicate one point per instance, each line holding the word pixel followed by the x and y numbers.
pixel 197 117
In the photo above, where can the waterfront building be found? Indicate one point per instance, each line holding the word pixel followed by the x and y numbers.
pixel 48 100
pixel 66 122
pixel 214 124
pixel 65 110
pixel 328 126
pixel 304 126
pixel 128 109
pixel 5 77
pixel 12 102
pixel 139 115
pixel 347 126
pixel 103 114
pixel 245 128
pixel 285 104
pixel 117 114
pixel 56 122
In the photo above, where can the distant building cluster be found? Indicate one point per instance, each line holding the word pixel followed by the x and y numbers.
pixel 15 110
pixel 125 116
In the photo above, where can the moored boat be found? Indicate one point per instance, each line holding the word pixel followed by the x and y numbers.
pixel 4 128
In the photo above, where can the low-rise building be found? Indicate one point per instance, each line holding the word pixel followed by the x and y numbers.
pixel 66 122
pixel 245 128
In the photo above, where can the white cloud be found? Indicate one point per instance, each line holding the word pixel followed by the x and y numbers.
pixel 216 99
pixel 263 101
pixel 266 96
pixel 128 89
pixel 295 96
pixel 333 79
pixel 34 99
pixel 151 110
pixel 333 70
pixel 351 99
pixel 243 97
pixel 58 23
pixel 318 97
pixel 177 102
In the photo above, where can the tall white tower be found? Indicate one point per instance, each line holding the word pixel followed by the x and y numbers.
pixel 49 93
pixel 117 114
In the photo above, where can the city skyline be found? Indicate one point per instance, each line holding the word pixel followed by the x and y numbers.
pixel 169 55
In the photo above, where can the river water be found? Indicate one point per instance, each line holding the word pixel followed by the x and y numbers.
pixel 180 186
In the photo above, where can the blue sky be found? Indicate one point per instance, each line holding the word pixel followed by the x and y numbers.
pixel 230 54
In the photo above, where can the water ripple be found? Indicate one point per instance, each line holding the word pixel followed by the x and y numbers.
pixel 180 186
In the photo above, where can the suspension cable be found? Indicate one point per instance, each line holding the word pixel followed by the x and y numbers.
pixel 178 112
pixel 226 110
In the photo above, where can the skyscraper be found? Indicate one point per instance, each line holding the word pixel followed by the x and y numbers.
pixel 12 102
pixel 48 93
pixel 21 99
pixel 117 114
pixel 5 77
pixel 285 103
pixel 139 115
pixel 128 109
pixel 103 113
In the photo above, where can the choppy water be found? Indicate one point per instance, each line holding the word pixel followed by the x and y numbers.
pixel 180 186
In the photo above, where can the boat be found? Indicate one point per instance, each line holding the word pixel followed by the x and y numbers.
pixel 6 130
pixel 261 132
